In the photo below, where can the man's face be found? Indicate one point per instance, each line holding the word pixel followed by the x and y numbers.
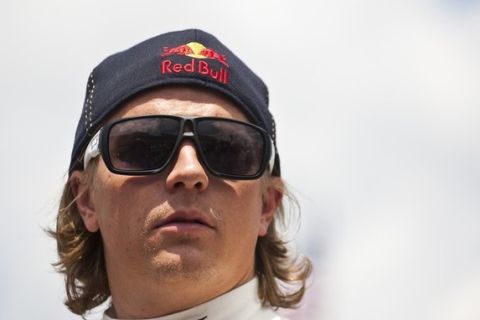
pixel 183 223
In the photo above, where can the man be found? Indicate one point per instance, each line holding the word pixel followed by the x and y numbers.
pixel 174 190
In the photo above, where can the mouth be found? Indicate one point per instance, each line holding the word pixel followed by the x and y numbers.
pixel 185 219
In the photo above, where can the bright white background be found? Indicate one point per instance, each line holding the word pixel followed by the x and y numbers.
pixel 378 112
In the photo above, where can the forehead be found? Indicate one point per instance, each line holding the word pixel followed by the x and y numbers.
pixel 180 101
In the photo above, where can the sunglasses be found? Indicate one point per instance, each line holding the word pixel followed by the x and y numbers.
pixel 147 145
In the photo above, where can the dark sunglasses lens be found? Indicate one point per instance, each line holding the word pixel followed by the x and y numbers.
pixel 231 148
pixel 143 144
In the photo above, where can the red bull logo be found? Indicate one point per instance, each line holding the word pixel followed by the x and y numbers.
pixel 200 55
pixel 195 50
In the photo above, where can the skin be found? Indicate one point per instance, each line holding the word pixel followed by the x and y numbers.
pixel 159 271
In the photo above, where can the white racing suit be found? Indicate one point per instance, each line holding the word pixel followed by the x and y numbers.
pixel 242 303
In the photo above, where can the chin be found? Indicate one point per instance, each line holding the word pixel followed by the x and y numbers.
pixel 181 263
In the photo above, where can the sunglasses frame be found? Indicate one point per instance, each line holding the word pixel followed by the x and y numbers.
pixel 99 145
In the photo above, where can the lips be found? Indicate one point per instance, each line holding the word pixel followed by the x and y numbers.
pixel 182 218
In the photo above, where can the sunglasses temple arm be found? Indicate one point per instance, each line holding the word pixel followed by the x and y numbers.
pixel 92 150
pixel 271 162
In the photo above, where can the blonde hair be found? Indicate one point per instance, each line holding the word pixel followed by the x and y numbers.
pixel 282 274
pixel 282 277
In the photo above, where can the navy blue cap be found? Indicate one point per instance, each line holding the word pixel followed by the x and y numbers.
pixel 189 57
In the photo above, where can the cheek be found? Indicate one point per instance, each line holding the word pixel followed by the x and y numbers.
pixel 119 211
pixel 244 209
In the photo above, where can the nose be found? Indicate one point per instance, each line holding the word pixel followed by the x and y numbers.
pixel 187 171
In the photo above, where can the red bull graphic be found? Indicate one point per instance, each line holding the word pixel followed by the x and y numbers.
pixel 180 50
pixel 199 54
pixel 195 50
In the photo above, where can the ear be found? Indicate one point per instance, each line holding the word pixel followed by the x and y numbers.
pixel 270 201
pixel 83 199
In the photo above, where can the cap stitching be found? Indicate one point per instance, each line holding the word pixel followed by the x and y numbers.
pixel 89 103
pixel 274 131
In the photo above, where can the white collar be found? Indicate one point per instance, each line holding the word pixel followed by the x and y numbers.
pixel 241 303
